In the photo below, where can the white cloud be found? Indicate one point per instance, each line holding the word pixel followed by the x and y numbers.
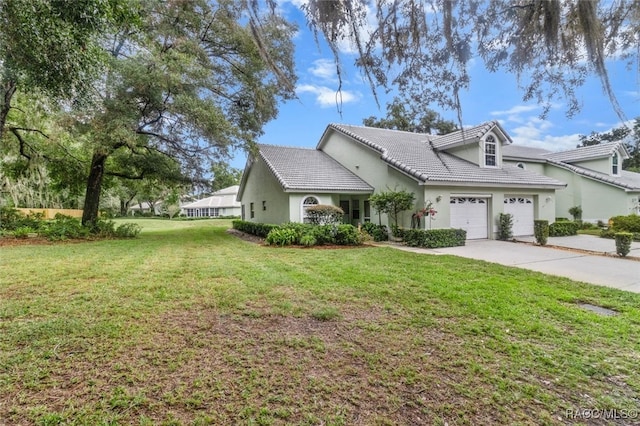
pixel 534 132
pixel 324 69
pixel 326 97
pixel 518 109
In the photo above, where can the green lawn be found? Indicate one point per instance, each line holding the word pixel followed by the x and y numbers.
pixel 190 325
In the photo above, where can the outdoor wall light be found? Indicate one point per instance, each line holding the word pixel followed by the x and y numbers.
pixel 438 198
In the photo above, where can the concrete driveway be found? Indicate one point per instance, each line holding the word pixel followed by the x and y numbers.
pixel 567 262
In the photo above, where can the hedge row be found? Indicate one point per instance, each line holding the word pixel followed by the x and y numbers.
pixel 563 228
pixel 433 238
pixel 258 229
pixel 302 233
pixel 630 224
pixel 62 227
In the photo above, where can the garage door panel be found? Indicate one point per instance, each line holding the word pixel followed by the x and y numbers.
pixel 470 214
pixel 521 209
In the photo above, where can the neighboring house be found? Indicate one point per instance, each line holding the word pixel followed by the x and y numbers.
pixel 145 208
pixel 594 176
pixel 221 203
pixel 462 175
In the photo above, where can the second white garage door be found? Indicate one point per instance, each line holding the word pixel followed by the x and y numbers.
pixel 470 214
pixel 521 208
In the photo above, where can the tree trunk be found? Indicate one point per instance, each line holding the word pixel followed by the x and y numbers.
pixel 94 188
pixel 8 89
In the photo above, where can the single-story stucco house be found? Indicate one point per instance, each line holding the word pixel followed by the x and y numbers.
pixel 593 174
pixel 220 203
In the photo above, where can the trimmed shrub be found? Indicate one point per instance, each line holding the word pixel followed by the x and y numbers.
pixel 348 235
pixel 434 238
pixel 325 234
pixel 258 229
pixel 630 223
pixel 128 230
pixel 377 232
pixel 541 231
pixel 324 214
pixel 623 243
pixel 505 226
pixel 563 229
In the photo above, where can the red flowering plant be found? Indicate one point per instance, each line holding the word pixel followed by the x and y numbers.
pixel 428 211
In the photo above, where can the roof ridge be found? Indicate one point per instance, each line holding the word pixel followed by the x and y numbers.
pixel 378 128
pixel 286 146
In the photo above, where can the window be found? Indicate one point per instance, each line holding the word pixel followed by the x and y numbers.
pixel 521 166
pixel 490 158
pixel 252 212
pixel 614 164
pixel 306 203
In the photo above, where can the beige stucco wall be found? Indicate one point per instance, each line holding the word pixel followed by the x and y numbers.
pixel 261 186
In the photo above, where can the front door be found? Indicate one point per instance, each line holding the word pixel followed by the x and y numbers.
pixel 344 205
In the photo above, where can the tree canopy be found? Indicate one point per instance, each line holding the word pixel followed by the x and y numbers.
pixel 423 120
pixel 224 175
pixel 55 46
pixel 629 135
pixel 424 48
pixel 189 86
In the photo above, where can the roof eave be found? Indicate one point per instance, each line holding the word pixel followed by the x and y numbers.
pixel 493 184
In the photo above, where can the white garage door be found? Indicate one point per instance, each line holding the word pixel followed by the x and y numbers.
pixel 521 208
pixel 470 214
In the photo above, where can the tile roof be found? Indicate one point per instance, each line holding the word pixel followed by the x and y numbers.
pixel 588 152
pixel 629 181
pixel 305 169
pixel 415 155
pixel 467 135
pixel 225 197
pixel 524 152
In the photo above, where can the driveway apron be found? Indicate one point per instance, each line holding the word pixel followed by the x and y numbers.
pixel 602 270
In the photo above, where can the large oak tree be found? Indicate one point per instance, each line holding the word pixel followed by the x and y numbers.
pixel 190 85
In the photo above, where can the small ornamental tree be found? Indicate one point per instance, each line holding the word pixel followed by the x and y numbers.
pixel 505 226
pixel 393 203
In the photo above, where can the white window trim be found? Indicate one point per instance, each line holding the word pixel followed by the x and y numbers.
pixel 302 210
pixel 618 166
pixel 483 151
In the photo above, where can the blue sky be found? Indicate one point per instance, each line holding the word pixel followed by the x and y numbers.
pixel 301 122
